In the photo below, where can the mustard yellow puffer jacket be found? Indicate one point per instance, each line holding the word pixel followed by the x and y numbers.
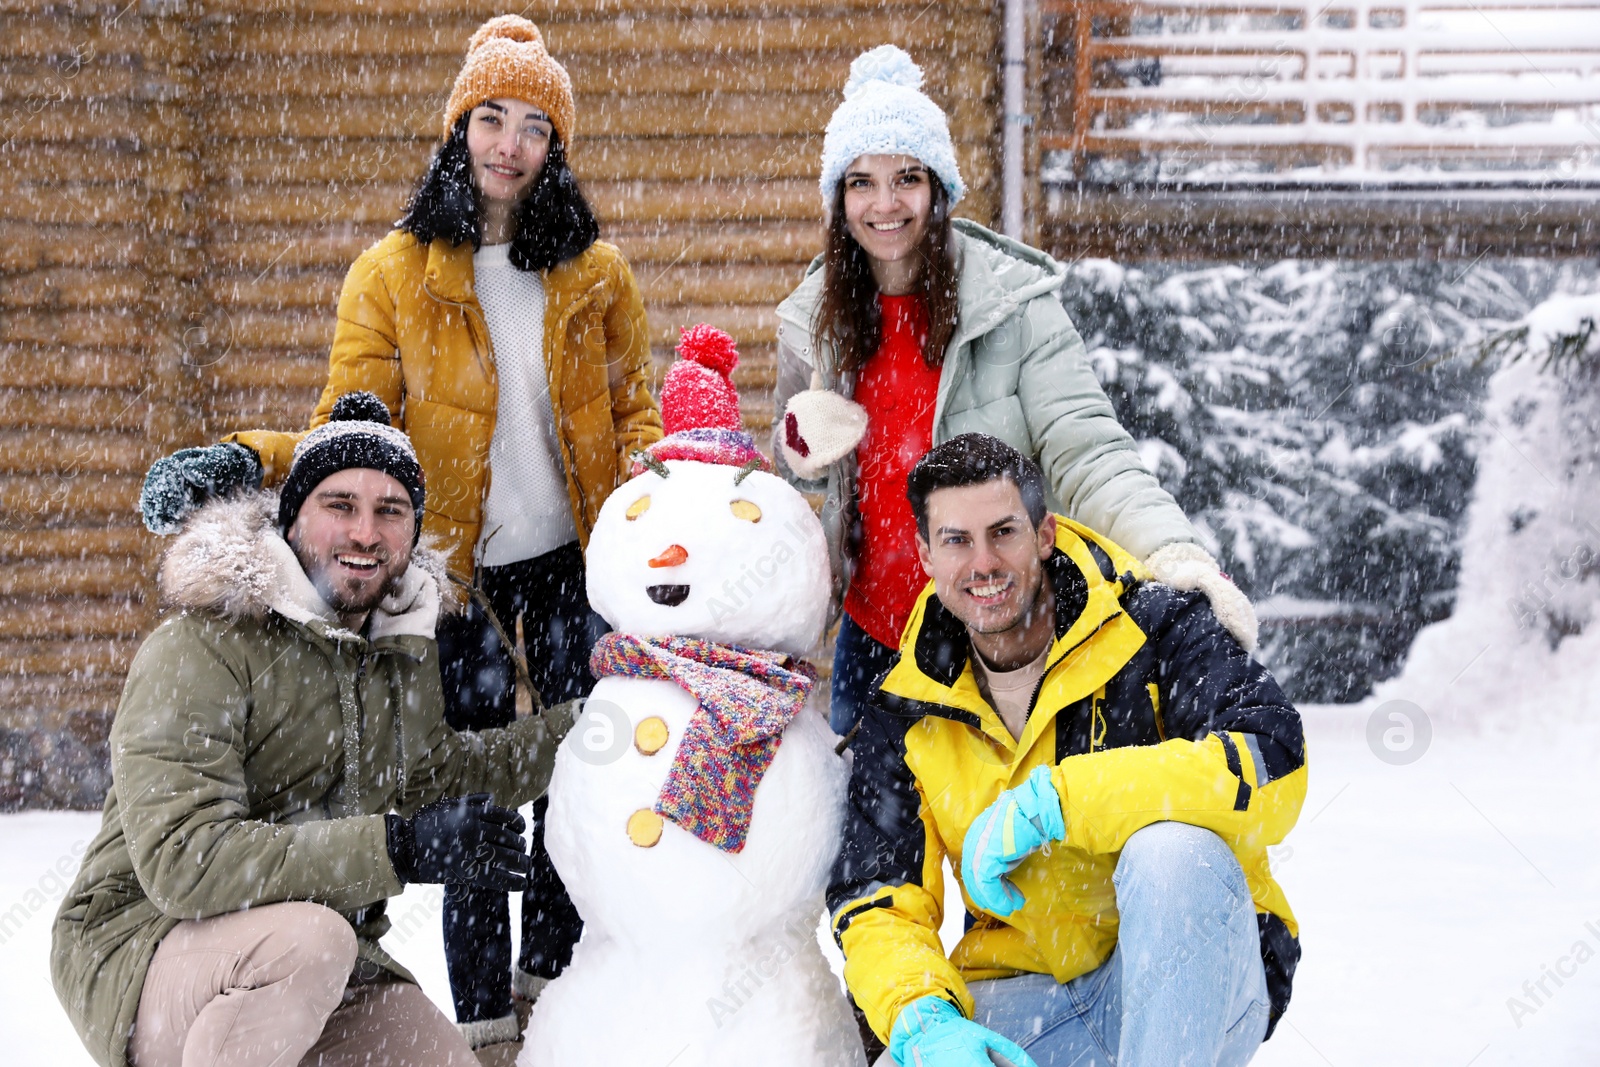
pixel 412 331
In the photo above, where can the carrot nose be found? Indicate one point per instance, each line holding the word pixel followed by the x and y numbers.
pixel 672 557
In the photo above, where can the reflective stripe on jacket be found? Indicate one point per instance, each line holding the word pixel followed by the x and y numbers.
pixel 1148 711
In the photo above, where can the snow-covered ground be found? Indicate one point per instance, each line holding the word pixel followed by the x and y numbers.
pixel 1446 866
pixel 1430 894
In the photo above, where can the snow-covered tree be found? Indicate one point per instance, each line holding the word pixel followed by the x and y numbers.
pixel 1313 421
pixel 1522 641
pixel 1555 521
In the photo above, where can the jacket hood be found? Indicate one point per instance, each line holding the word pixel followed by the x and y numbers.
pixel 998 276
pixel 229 561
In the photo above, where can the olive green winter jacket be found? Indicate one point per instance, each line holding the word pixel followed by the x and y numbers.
pixel 1015 369
pixel 255 752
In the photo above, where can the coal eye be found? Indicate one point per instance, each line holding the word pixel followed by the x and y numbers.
pixel 744 509
pixel 637 508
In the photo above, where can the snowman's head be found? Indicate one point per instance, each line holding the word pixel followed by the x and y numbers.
pixel 712 551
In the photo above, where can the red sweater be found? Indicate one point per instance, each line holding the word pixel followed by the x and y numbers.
pixel 899 391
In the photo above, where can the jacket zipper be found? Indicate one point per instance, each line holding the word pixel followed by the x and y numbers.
pixel 398 701
pixel 1050 665
pixel 350 712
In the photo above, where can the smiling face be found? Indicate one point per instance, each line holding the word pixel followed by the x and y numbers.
pixel 353 537
pixel 985 558
pixel 887 203
pixel 508 141
pixel 695 555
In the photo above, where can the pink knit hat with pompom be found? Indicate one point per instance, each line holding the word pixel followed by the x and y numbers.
pixel 700 405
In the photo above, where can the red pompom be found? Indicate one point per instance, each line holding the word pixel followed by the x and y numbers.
pixel 697 393
pixel 708 346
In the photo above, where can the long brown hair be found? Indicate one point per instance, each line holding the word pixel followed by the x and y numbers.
pixel 849 318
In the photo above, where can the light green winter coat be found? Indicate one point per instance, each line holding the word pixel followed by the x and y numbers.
pixel 255 752
pixel 1015 369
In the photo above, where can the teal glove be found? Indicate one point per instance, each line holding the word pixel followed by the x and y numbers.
pixel 183 481
pixel 932 1032
pixel 1020 821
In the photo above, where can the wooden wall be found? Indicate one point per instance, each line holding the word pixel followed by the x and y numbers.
pixel 183 185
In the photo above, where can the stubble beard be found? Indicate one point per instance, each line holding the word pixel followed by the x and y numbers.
pixel 359 603
pixel 1024 617
pixel 356 601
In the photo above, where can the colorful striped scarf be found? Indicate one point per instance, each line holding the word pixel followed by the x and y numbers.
pixel 747 697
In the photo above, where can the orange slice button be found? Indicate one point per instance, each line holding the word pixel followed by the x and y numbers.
pixel 650 736
pixel 644 828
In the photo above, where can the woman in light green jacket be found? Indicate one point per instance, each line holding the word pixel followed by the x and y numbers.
pixel 913 328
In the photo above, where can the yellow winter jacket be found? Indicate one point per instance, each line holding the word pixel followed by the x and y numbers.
pixel 412 331
pixel 1148 711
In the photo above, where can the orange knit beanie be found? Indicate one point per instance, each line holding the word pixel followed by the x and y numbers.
pixel 507 58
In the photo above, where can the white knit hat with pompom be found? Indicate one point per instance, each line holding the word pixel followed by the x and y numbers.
pixel 885 113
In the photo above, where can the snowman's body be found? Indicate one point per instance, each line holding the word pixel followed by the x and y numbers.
pixel 692 955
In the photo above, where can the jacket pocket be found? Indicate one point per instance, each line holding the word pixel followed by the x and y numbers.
pixel 452 444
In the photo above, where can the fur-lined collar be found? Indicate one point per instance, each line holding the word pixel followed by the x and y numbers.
pixel 230 561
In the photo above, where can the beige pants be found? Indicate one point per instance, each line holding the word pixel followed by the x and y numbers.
pixel 270 987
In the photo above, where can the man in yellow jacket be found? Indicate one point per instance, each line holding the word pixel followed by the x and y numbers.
pixel 1105 767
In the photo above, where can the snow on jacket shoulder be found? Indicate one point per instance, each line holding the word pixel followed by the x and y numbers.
pixel 1015 369
pixel 1148 710
pixel 255 751
pixel 411 330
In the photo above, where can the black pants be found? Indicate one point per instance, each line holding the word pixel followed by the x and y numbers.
pixel 558 632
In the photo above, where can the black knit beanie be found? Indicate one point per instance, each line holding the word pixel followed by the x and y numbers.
pixel 357 434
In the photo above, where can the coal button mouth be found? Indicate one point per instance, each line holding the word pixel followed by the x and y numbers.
pixel 668 595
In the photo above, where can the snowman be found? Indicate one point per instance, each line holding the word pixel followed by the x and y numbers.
pixel 695 809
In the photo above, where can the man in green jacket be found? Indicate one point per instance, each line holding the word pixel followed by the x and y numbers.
pixel 280 767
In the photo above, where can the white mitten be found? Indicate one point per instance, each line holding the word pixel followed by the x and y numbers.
pixel 820 427
pixel 1189 567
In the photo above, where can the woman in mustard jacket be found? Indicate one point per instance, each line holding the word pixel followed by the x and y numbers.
pixel 511 346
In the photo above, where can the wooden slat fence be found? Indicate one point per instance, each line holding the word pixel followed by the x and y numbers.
pixel 184 186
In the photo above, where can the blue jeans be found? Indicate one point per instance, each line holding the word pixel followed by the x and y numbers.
pixel 859 662
pixel 1184 985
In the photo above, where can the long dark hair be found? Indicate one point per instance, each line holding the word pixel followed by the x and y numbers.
pixel 554 221
pixel 849 318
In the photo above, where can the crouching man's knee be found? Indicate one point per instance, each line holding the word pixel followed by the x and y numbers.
pixel 243 987
pixel 324 940
pixel 1176 865
pixel 1193 985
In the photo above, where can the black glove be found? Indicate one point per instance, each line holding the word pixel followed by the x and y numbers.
pixel 460 841
pixel 190 477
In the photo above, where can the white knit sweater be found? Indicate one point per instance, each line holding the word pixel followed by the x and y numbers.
pixel 528 511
